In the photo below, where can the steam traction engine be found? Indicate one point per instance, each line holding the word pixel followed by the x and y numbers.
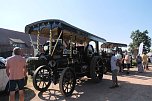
pixel 66 56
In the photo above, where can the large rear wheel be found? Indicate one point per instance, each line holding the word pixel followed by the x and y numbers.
pixel 105 65
pixel 96 69
pixel 42 78
pixel 67 82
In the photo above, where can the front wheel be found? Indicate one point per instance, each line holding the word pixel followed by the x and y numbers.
pixel 42 78
pixel 67 82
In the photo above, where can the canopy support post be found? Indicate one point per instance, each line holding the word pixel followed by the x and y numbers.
pixel 50 45
pixel 38 43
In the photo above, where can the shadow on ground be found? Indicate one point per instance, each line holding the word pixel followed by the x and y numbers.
pixel 88 91
pixel 29 94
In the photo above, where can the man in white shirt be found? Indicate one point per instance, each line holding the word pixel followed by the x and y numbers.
pixel 114 69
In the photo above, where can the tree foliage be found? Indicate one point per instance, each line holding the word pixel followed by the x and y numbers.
pixel 139 37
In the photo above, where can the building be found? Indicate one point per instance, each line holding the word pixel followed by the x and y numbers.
pixel 10 39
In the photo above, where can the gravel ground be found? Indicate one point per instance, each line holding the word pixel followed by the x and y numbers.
pixel 133 87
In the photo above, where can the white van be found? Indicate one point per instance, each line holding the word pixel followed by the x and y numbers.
pixel 3 76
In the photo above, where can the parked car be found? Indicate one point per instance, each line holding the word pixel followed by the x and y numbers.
pixel 3 76
pixel 3 60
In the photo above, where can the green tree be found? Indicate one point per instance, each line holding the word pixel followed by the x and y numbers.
pixel 139 37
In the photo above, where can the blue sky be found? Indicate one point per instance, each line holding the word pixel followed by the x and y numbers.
pixel 113 20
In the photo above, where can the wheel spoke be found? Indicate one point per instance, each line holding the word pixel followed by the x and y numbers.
pixel 67 88
pixel 39 83
pixel 43 85
pixel 70 85
pixel 41 73
pixel 97 71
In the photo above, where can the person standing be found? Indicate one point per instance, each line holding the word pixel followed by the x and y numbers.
pixel 16 71
pixel 127 61
pixel 145 61
pixel 139 64
pixel 115 70
pixel 119 57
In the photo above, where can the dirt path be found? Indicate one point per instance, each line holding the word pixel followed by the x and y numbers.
pixel 133 87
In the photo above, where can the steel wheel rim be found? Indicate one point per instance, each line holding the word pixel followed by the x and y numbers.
pixel 42 78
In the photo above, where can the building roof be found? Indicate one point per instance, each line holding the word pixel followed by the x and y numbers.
pixel 20 37
pixel 17 40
